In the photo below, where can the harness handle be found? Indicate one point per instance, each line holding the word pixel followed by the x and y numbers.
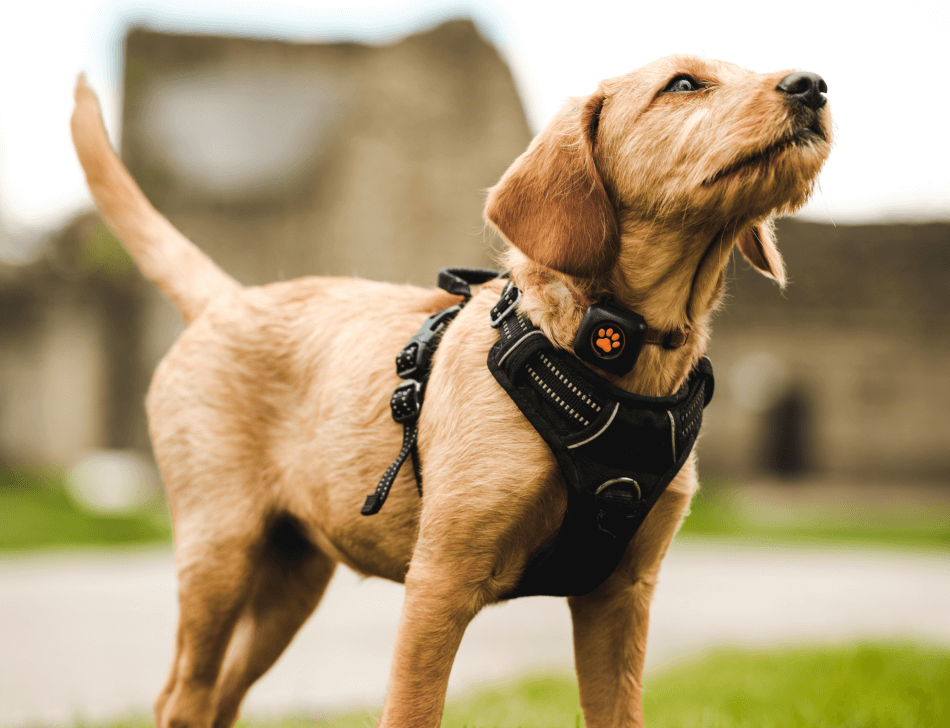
pixel 458 281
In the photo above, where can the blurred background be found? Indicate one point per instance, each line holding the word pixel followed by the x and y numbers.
pixel 289 138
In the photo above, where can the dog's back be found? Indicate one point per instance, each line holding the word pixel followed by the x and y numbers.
pixel 288 384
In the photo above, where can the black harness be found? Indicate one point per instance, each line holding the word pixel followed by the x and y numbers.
pixel 617 451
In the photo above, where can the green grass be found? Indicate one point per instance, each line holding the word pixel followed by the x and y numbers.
pixel 896 686
pixel 36 512
pixel 713 513
pixel 867 686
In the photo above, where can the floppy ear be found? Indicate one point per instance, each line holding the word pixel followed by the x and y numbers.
pixel 757 244
pixel 551 203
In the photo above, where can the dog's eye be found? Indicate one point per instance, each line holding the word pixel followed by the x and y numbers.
pixel 682 83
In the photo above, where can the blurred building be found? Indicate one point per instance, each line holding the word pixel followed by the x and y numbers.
pixel 286 159
pixel 70 342
pixel 846 371
pixel 279 160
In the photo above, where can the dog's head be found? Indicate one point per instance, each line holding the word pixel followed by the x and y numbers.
pixel 666 159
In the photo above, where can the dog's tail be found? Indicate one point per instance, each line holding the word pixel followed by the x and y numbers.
pixel 185 274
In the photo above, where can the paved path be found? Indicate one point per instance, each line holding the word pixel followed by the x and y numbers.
pixel 89 635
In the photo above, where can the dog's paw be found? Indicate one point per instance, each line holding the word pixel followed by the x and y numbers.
pixel 608 341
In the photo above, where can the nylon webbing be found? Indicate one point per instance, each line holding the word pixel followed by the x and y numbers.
pixel 414 365
pixel 562 388
pixel 375 500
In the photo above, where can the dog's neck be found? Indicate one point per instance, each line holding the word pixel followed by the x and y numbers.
pixel 675 285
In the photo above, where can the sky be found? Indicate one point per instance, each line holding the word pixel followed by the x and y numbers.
pixel 885 67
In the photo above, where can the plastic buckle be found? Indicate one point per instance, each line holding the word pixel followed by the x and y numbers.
pixel 416 356
pixel 436 323
pixel 406 402
pixel 495 321
pixel 409 361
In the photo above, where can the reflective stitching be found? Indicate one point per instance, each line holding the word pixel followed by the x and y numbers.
pixel 585 399
pixel 672 432
pixel 600 432
pixel 517 344
pixel 553 396
pixel 497 315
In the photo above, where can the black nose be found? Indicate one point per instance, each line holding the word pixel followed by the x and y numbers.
pixel 804 87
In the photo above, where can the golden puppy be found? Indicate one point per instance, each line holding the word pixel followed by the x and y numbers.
pixel 270 415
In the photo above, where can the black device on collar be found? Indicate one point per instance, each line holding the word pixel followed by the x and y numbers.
pixel 617 451
pixel 610 337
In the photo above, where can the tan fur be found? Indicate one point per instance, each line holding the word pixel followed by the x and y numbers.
pixel 184 273
pixel 270 414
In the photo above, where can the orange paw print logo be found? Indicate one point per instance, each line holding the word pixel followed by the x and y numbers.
pixel 608 341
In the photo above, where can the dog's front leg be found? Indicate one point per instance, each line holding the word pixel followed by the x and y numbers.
pixel 610 635
pixel 461 563
pixel 611 623
pixel 437 609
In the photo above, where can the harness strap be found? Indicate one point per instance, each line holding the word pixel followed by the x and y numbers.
pixel 375 500
pixel 617 451
pixel 414 364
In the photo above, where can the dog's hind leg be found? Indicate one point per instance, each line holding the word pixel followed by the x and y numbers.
pixel 290 582
pixel 217 565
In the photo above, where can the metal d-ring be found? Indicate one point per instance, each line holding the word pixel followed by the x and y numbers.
pixel 618 481
pixel 496 322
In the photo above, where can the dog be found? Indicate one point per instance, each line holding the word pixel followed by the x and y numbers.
pixel 270 419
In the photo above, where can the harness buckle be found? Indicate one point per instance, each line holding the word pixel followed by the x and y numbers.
pixel 406 402
pixel 415 358
pixel 411 360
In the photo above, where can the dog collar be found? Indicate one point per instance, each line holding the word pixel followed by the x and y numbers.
pixel 617 451
pixel 609 337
